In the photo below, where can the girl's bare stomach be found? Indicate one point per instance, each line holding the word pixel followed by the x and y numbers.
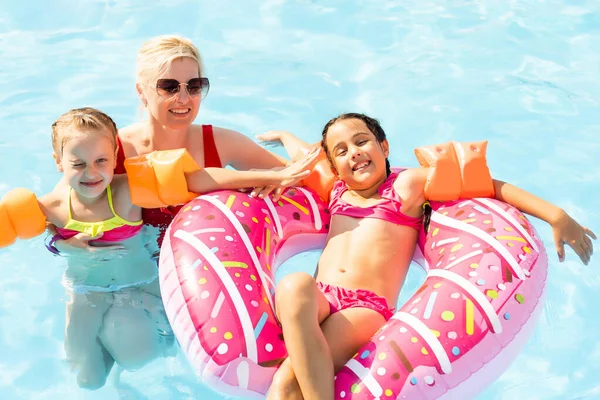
pixel 369 254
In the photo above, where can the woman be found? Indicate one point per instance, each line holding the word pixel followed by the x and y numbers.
pixel 171 86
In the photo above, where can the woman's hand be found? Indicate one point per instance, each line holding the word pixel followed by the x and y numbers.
pixel 567 231
pixel 288 176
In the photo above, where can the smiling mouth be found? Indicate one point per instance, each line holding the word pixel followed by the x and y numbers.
pixel 361 165
pixel 91 184
pixel 180 111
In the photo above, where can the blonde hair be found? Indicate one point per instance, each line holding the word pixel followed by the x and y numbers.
pixel 155 56
pixel 81 121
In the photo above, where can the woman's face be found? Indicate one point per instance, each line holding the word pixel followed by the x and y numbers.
pixel 171 107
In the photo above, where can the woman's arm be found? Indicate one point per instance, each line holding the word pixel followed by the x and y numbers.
pixel 210 179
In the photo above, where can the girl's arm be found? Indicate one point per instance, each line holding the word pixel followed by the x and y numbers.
pixel 565 229
pixel 294 146
pixel 410 186
pixel 242 153
pixel 210 179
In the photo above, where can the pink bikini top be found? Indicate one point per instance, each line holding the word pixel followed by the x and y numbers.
pixel 388 209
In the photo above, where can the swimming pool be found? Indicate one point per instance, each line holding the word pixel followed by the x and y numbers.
pixel 523 74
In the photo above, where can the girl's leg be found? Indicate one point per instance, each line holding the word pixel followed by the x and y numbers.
pixel 301 307
pixel 345 333
pixel 135 330
pixel 84 351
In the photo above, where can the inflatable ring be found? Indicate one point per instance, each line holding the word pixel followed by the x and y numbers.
pixel 486 272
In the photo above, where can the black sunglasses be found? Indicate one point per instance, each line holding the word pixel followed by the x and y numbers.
pixel 195 87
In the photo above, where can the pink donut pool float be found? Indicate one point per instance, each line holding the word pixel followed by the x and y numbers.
pixel 486 273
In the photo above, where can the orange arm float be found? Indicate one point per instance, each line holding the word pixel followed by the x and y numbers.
pixel 20 216
pixel 321 179
pixel 158 179
pixel 456 171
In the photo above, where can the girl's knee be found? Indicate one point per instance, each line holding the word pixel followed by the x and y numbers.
pixel 293 285
pixel 285 385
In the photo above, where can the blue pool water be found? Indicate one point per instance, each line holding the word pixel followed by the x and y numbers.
pixel 523 74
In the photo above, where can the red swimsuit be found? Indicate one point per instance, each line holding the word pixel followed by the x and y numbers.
pixel 162 217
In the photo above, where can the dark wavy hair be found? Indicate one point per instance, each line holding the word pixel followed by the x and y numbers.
pixel 375 127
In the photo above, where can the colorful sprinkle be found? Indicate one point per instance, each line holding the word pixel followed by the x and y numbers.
pixel 403 329
pixel 258 249
pixel 515 238
pixel 230 201
pixel 424 351
pixel 187 209
pixel 388 392
pixel 298 206
pixel 452 335
pixel 240 214
pixel 506 316
pixel 365 354
pixel 491 293
pixel 195 208
pixel 414 339
pixel 228 335
pixel 260 324
pixel 456 247
pixel 186 223
pixel 204 295
pixel 248 288
pixel 455 351
pixel 501 286
pixel 214 249
pixel 213 329
pixel 415 301
pixel 520 298
pixel 355 388
pixel 494 268
pixel 469 317
pixel 381 371
pixel 255 220
pixel 455 295
pixel 269 347
pixel 413 381
pixel 526 272
pixel 229 238
pixel 472 274
pixel 526 249
pixel 222 349
pixel 381 337
pixel 447 316
pixel 234 264
pixel 202 281
pixel 342 394
pixel 508 229
pixel 487 221
pixel 237 274
pixel 429 380
pixel 245 203
pixel 435 231
pixel 267 220
pixel 474 265
pixel 436 333
pixel 437 285
pixel 254 303
pixel 382 356
pixel 481 282
pixel 414 310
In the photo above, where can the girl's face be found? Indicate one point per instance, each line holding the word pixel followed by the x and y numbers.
pixel 88 161
pixel 359 160
pixel 168 99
